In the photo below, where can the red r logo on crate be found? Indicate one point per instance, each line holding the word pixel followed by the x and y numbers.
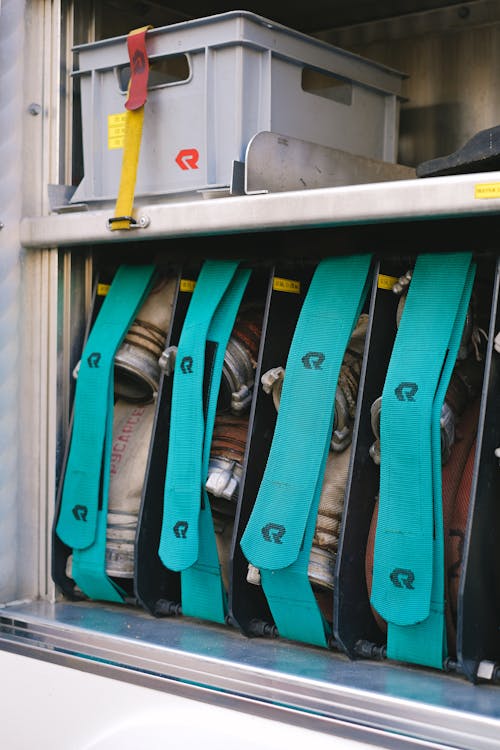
pixel 187 158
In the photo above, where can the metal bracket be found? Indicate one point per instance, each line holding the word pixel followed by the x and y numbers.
pixel 142 223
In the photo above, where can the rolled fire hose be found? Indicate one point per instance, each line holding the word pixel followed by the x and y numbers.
pixel 459 418
pixel 187 540
pixel 278 536
pixel 464 385
pixel 136 380
pixel 457 480
pixel 227 451
pixel 82 520
pixel 331 506
pixel 137 369
pixel 408 587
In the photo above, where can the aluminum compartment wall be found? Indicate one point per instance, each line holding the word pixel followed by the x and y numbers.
pixel 452 57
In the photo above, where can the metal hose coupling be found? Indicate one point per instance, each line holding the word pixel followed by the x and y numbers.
pixel 137 371
pixel 225 468
pixel 240 361
pixel 225 471
pixel 447 421
pixel 347 387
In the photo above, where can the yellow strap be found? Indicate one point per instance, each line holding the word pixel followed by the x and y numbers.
pixel 134 120
pixel 130 161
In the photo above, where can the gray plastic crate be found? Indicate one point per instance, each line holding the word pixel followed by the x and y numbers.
pixel 215 82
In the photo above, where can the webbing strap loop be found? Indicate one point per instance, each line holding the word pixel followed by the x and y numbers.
pixel 187 541
pixel 82 517
pixel 278 536
pixel 408 572
pixel 134 119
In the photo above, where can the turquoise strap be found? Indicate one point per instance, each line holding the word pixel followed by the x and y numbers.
pixel 279 533
pixel 82 517
pixel 202 590
pixel 187 541
pixel 408 574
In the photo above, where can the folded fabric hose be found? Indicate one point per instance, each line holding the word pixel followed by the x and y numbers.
pixel 278 537
pixel 187 541
pixel 408 571
pixel 84 503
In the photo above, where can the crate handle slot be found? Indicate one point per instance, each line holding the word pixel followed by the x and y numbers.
pixel 328 86
pixel 169 70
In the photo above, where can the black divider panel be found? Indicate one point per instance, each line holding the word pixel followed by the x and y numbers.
pixel 478 636
pixel 158 589
pixel 353 618
pixel 248 605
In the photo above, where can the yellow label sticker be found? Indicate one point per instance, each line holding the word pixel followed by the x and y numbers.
pixel 187 285
pixel 286 285
pixel 103 289
pixel 487 190
pixel 116 130
pixel 386 282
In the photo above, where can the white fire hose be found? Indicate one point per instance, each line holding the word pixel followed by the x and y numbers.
pixel 132 427
pixel 137 375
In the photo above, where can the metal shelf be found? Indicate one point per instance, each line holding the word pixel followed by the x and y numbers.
pixel 472 195
pixel 390 705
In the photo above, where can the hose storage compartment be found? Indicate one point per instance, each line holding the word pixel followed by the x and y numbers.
pixel 318 589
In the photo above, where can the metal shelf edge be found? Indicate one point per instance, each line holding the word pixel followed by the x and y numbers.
pixel 405 200
pixel 265 675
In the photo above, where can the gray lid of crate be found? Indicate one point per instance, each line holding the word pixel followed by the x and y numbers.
pixel 243 28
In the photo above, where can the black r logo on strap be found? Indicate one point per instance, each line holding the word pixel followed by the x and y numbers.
pixel 94 359
pixel 406 391
pixel 313 360
pixel 187 365
pixel 273 532
pixel 180 529
pixel 80 512
pixel 403 578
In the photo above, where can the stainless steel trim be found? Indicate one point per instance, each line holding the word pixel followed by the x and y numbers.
pixel 433 198
pixel 384 703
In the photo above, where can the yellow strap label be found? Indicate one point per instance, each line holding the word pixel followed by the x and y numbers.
pixel 102 289
pixel 187 285
pixel 286 285
pixel 116 130
pixel 487 190
pixel 386 282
